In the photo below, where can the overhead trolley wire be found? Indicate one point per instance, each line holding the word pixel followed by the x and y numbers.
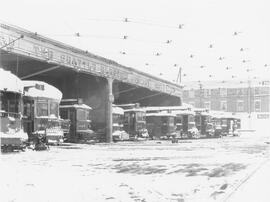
pixel 135 21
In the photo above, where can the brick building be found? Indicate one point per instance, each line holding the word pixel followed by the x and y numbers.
pixel 231 97
pixel 239 97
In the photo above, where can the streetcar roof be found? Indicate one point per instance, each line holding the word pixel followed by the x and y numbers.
pixel 161 114
pixel 117 110
pixel 183 112
pixel 135 110
pixel 78 106
pixel 204 113
pixel 47 90
pixel 117 124
pixel 201 110
pixel 10 82
pixel 169 108
pixel 220 114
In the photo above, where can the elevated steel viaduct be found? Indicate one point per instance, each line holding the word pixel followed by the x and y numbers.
pixel 79 74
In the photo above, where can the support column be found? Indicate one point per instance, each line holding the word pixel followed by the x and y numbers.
pixel 109 119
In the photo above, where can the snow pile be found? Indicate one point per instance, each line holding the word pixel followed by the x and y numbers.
pixel 20 134
pixel 199 170
pixel 49 91
pixel 10 82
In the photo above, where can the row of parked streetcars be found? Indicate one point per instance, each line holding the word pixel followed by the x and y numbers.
pixel 34 114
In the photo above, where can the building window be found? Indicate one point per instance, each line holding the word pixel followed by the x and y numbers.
pixel 240 105
pixel 223 92
pixel 207 105
pixel 240 91
pixel 185 93
pixel 266 83
pixel 257 105
pixel 207 93
pixel 223 106
pixel 257 91
pixel 191 93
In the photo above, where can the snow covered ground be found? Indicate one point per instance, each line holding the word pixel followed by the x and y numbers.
pixel 192 170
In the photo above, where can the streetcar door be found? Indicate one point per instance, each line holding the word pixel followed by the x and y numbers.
pixel 185 123
pixel 28 116
pixel 73 123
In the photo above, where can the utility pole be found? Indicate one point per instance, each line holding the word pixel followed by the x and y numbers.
pixel 249 104
pixel 268 84
pixel 200 85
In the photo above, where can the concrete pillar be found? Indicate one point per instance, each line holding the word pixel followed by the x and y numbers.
pixel 110 100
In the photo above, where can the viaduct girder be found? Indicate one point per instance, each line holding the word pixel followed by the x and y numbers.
pixel 29 44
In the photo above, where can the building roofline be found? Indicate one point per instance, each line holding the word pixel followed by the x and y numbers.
pixel 59 44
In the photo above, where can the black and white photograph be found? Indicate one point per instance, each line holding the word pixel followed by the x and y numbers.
pixel 135 101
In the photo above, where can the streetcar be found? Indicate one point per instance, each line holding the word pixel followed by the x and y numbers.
pixel 12 135
pixel 225 124
pixel 216 120
pixel 41 118
pixel 161 125
pixel 184 119
pixel 233 125
pixel 79 115
pixel 118 128
pixel 135 123
pixel 238 124
pixel 203 122
pixel 185 124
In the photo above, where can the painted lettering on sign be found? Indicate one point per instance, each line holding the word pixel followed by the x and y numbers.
pixel 62 56
pixel 158 86
pixel 43 52
pixel 7 42
pixel 101 69
pixel 169 89
pixel 144 82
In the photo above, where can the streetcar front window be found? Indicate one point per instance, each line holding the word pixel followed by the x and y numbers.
pixel 126 118
pixel 224 122
pixel 198 120
pixel 218 122
pixel 83 114
pixel 118 118
pixel 171 121
pixel 42 108
pixel 140 116
pixel 165 120
pixel 191 118
pixel 54 108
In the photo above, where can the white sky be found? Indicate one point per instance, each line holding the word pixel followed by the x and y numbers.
pixel 102 28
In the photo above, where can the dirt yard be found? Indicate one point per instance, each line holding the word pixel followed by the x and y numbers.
pixel 191 170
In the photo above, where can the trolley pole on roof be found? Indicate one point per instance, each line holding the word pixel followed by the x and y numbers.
pixel 200 91
pixel 179 76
